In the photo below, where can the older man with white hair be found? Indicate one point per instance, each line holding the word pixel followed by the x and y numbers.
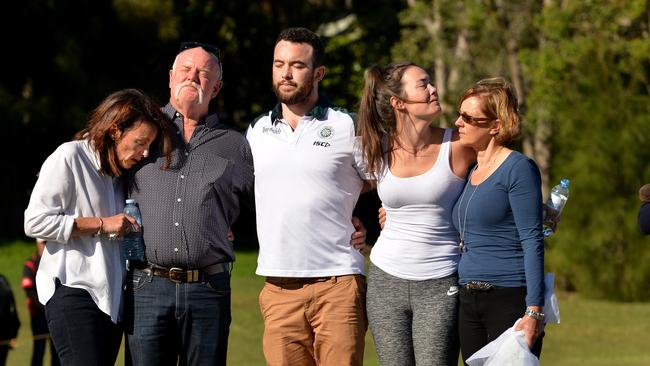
pixel 180 296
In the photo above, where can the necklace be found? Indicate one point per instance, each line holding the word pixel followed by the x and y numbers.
pixel 463 226
pixel 486 170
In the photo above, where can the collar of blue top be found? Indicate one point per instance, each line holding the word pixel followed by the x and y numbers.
pixel 319 111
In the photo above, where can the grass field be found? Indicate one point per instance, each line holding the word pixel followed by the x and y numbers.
pixel 593 332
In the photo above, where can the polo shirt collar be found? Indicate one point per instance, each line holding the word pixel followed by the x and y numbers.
pixel 319 111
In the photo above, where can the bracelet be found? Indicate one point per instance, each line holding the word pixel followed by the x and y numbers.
pixel 101 227
pixel 534 314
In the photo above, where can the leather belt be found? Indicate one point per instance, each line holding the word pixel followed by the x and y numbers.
pixel 301 281
pixel 183 275
pixel 286 280
pixel 479 286
pixel 180 275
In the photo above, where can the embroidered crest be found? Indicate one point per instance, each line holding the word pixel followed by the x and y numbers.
pixel 326 132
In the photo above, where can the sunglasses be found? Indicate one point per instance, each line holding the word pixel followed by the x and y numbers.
pixel 474 120
pixel 206 47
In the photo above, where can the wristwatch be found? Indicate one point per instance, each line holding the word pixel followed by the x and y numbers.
pixel 534 314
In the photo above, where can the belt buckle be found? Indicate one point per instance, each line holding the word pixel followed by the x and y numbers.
pixel 480 286
pixel 174 271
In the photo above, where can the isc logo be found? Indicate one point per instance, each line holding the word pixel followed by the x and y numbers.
pixel 321 143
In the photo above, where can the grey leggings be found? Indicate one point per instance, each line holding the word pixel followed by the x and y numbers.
pixel 413 322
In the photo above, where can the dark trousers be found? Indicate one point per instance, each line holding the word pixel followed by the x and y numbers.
pixel 173 322
pixel 82 334
pixel 484 315
pixel 41 334
pixel 4 351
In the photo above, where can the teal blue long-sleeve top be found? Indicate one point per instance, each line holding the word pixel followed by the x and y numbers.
pixel 501 222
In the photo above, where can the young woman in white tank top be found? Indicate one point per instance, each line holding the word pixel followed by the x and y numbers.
pixel 420 170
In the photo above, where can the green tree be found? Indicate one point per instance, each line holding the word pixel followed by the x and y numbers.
pixel 590 80
pixel 62 57
pixel 582 74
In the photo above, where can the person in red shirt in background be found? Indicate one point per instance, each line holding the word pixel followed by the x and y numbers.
pixel 40 331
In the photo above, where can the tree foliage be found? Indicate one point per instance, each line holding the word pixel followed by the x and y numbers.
pixel 582 70
pixel 62 57
pixel 590 79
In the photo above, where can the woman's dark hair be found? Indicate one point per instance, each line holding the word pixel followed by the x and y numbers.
pixel 122 111
pixel 376 115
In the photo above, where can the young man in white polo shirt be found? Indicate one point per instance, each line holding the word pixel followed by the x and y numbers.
pixel 307 182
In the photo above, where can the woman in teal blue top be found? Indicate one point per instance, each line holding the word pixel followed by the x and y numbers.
pixel 499 219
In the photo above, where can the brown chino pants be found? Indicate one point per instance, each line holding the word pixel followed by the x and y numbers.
pixel 314 321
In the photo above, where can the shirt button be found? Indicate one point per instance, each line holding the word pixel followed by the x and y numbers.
pixel 178 200
pixel 186 153
pixel 182 176
pixel 176 250
pixel 176 224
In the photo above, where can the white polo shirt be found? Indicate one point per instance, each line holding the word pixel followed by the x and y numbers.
pixel 307 183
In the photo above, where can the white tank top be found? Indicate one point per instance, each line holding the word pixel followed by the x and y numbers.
pixel 419 241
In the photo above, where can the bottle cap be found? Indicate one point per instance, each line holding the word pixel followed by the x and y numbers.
pixel 130 201
pixel 564 183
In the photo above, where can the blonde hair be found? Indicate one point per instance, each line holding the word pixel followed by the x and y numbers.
pixel 499 102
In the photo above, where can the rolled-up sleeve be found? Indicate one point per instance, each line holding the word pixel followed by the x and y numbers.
pixel 46 216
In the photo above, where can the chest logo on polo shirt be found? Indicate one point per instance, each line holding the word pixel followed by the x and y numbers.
pixel 275 130
pixel 326 132
pixel 321 143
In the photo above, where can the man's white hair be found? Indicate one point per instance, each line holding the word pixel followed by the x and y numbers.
pixel 214 57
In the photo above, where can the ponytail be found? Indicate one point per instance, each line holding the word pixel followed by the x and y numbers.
pixel 376 117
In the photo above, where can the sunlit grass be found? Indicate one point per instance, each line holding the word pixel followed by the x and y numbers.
pixel 593 332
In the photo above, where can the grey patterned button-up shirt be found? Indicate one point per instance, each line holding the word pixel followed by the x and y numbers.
pixel 187 209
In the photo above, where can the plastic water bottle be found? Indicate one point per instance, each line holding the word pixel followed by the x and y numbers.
pixel 555 204
pixel 132 245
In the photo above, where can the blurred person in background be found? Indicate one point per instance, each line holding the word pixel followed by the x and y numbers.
pixel 9 322
pixel 40 332
pixel 644 210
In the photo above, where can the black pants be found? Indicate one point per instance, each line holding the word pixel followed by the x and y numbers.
pixel 41 335
pixel 484 315
pixel 82 334
pixel 4 351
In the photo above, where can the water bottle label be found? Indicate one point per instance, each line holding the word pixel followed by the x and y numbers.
pixel 557 200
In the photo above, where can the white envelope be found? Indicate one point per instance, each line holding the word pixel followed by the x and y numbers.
pixel 551 307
